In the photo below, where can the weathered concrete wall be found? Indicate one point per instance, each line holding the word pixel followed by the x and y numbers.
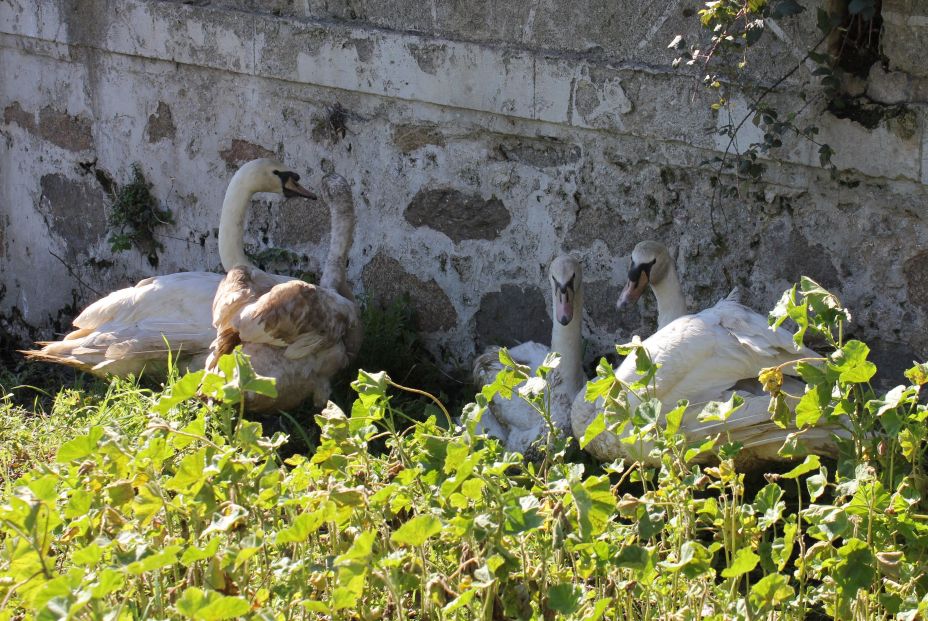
pixel 481 139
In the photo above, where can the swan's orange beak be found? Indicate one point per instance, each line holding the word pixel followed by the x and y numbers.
pixel 632 291
pixel 292 188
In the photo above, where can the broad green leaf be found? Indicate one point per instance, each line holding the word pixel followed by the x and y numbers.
pixel 165 557
pixel 745 560
pixel 851 363
pixel 634 557
pixel 694 560
pixel 770 591
pixel 811 463
pixel 304 525
pixel 857 571
pixel 564 598
pixel 596 427
pixel 721 410
pixel 80 447
pixel 416 531
pixel 812 405
pixel 768 505
pixel 189 477
pixel 210 605
pixel 460 601
pixel 595 505
pixel 194 554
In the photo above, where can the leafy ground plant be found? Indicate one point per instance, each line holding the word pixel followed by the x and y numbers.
pixel 194 515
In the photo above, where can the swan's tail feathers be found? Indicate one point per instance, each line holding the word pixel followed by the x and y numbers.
pixel 40 355
pixel 734 295
pixel 486 366
pixel 227 340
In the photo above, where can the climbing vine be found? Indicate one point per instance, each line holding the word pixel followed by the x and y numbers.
pixel 848 33
pixel 135 215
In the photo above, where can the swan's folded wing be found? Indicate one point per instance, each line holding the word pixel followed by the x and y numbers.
pixel 303 318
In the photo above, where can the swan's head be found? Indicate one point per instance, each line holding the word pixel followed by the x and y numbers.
pixel 335 189
pixel 650 263
pixel 566 288
pixel 269 175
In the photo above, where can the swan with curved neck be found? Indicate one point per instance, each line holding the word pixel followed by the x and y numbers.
pixel 125 332
pixel 707 356
pixel 298 333
pixel 515 422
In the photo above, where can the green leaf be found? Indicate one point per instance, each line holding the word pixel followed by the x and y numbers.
pixel 165 557
pixel 634 557
pixel 210 605
pixel 812 462
pixel 565 598
pixel 305 525
pixel 768 505
pixel 695 559
pixel 744 561
pixel 857 570
pixel 595 505
pixel 80 447
pixel 596 427
pixel 811 406
pixel 770 591
pixel 416 531
pixel 851 363
pixel 190 476
pixel 460 601
pixel 918 374
pixel 721 410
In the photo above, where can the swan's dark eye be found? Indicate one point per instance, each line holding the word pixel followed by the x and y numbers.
pixel 635 272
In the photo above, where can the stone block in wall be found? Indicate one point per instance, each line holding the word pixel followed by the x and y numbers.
pixel 905 35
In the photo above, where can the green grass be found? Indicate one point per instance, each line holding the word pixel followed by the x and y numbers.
pixel 122 501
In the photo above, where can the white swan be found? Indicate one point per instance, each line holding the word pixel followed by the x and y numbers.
pixel 706 357
pixel 298 333
pixel 652 265
pixel 514 421
pixel 125 332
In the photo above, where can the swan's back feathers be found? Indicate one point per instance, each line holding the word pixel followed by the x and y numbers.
pixel 702 355
pixel 127 330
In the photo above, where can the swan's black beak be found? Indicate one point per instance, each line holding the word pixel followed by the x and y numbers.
pixel 639 275
pixel 292 188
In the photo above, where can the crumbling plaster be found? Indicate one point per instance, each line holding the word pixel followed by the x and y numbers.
pixel 481 139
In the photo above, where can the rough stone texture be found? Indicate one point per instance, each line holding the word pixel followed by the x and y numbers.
pixel 66 131
pixel 905 35
pixel 513 315
pixel 458 215
pixel 241 151
pixel 481 138
pixel 74 211
pixel 387 280
pixel 161 124
pixel 409 136
pixel 916 276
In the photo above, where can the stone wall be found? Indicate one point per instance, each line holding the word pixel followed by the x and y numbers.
pixel 481 138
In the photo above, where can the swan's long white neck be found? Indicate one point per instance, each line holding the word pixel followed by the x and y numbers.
pixel 232 222
pixel 342 221
pixel 566 341
pixel 669 294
